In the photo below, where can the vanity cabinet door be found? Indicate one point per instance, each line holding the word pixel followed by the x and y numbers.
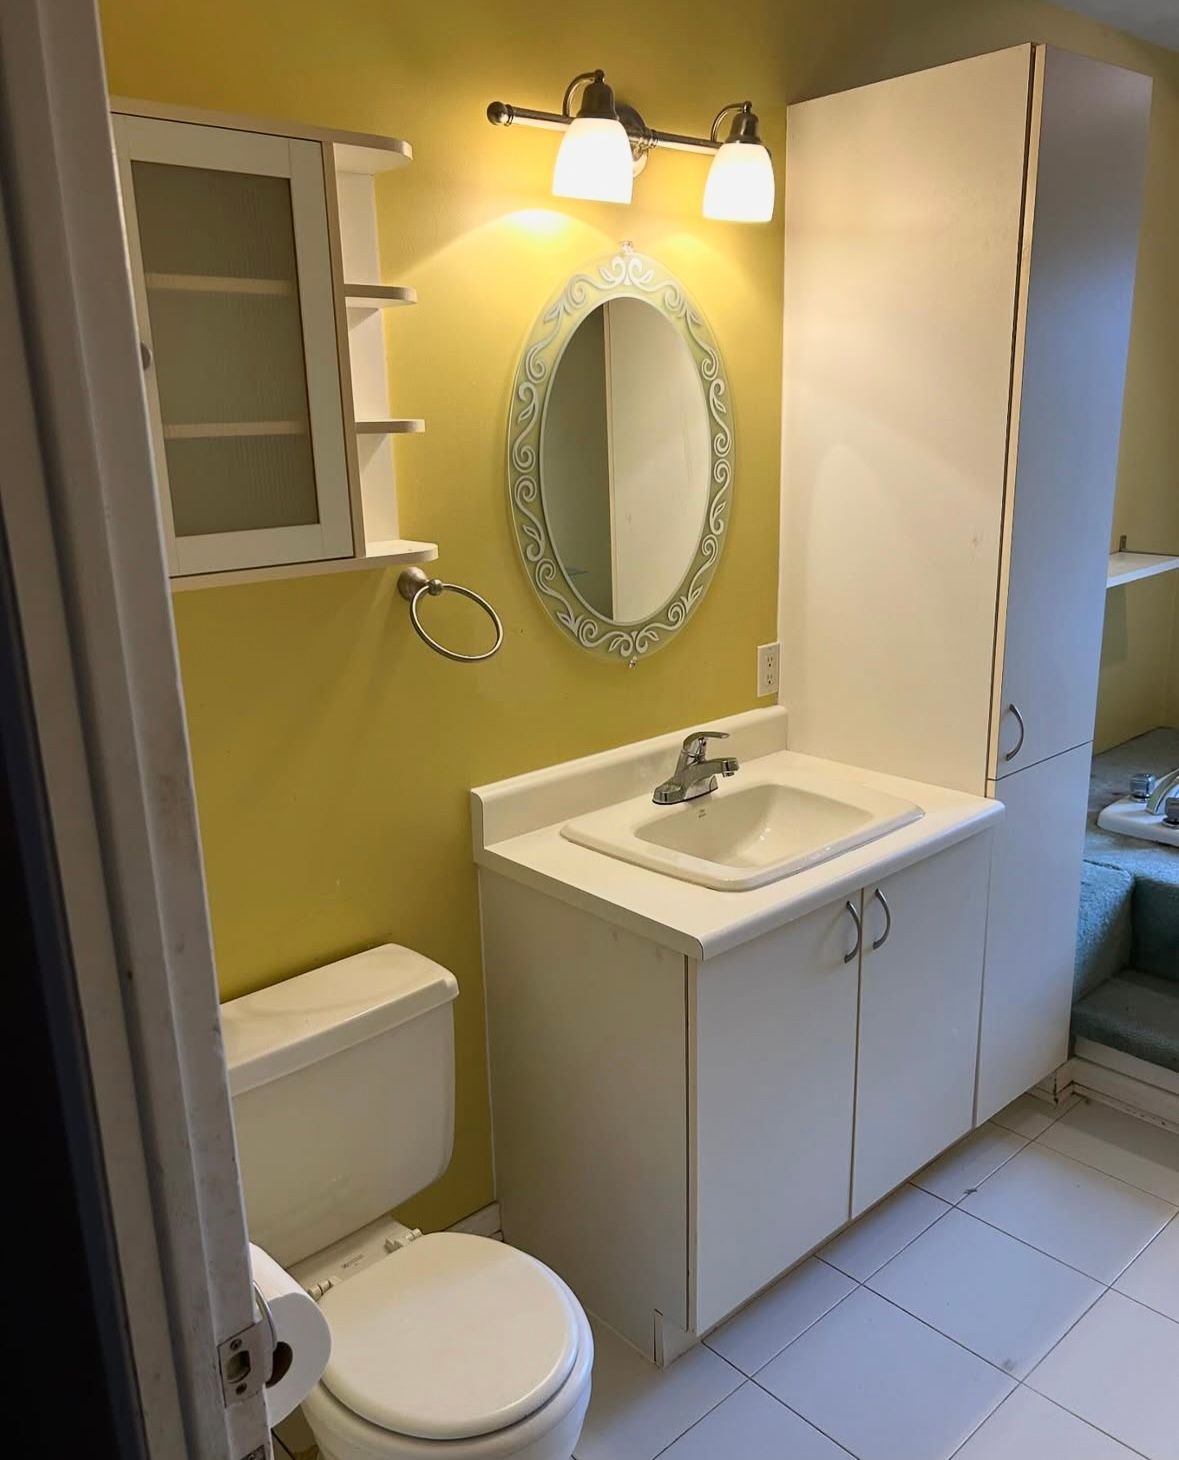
pixel 227 234
pixel 1032 927
pixel 920 996
pixel 772 1039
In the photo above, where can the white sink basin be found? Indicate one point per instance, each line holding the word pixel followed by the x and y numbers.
pixel 752 830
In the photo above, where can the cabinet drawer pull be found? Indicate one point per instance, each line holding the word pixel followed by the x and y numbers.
pixel 883 901
pixel 1013 709
pixel 855 917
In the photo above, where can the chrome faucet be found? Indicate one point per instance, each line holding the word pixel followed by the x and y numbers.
pixel 695 775
pixel 1163 787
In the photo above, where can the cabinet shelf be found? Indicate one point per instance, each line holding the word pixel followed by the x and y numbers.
pixel 1130 567
pixel 216 284
pixel 387 554
pixel 403 426
pixel 378 296
pixel 204 430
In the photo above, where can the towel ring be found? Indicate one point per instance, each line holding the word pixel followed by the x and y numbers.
pixel 413 583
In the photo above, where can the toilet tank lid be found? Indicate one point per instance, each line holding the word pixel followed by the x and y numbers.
pixel 289 1025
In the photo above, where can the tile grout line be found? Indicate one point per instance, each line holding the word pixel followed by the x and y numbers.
pixel 861 1281
pixel 712 1408
pixel 1017 1383
pixel 800 1332
pixel 1088 1308
pixel 1027 1141
pixel 1080 1271
pixel 1132 1449
pixel 1101 1171
pixel 1129 1297
pixel 1056 1405
pixel 801 1416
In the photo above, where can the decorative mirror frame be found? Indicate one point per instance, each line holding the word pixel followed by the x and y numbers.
pixel 626 274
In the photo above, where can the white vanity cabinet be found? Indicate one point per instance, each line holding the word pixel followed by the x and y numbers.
pixel 263 365
pixel 672 1132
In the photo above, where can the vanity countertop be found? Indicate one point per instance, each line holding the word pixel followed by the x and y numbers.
pixel 517 833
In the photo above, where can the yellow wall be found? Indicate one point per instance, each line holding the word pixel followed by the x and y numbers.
pixel 332 751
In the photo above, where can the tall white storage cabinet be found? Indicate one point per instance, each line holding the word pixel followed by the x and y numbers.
pixel 960 255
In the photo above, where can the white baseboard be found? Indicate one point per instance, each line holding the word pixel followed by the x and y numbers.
pixel 1121 1080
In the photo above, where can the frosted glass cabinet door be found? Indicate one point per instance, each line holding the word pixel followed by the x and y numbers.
pixel 227 233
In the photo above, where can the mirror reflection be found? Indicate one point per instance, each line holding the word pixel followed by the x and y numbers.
pixel 625 460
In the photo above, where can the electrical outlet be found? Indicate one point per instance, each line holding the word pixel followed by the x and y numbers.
pixel 768 656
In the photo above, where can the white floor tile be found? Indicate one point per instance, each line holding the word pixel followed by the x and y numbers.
pixel 1028 1427
pixel 1077 1214
pixel 637 1410
pixel 883 1385
pixel 750 1425
pixel 1029 1116
pixel 751 1338
pixel 1133 1150
pixel 998 1297
pixel 968 1164
pixel 881 1233
pixel 1117 1369
pixel 1153 1278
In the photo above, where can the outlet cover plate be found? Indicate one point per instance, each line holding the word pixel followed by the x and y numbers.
pixel 768 659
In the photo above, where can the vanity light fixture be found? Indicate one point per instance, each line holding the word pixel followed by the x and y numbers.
pixel 606 144
pixel 594 160
pixel 740 185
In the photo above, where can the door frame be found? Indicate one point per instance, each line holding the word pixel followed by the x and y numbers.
pixel 79 510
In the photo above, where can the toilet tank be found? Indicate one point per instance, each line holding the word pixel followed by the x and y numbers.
pixel 343 1095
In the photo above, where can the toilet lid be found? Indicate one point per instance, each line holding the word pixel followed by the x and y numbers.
pixel 450 1337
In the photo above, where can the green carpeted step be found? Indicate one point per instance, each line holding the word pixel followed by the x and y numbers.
pixel 1156 923
pixel 1136 1013
pixel 1104 926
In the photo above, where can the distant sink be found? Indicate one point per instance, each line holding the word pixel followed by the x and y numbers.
pixel 1131 818
pixel 746 833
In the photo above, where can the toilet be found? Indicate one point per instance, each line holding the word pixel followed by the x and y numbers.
pixel 447 1345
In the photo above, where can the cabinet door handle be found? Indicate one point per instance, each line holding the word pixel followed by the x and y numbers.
pixel 1013 709
pixel 883 901
pixel 855 917
pixel 145 358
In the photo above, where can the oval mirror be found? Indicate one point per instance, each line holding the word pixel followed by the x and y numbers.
pixel 619 457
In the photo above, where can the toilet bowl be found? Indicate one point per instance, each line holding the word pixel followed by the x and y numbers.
pixel 449 1344
pixel 455 1346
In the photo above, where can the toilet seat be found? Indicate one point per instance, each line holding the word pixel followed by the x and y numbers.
pixel 454 1344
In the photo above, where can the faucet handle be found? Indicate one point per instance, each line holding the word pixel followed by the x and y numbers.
pixel 696 744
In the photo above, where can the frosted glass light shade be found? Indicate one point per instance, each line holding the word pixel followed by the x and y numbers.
pixel 594 161
pixel 740 186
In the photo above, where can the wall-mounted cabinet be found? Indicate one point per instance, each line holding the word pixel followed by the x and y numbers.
pixel 254 262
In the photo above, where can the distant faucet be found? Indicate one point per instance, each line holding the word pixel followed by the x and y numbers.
pixel 694 775
pixel 1163 787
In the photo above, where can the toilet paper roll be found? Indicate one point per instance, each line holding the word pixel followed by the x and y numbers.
pixel 302 1342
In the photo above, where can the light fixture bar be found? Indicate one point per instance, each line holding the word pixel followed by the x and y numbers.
pixel 504 114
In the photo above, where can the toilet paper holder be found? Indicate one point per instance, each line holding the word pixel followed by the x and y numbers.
pixel 280 1351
